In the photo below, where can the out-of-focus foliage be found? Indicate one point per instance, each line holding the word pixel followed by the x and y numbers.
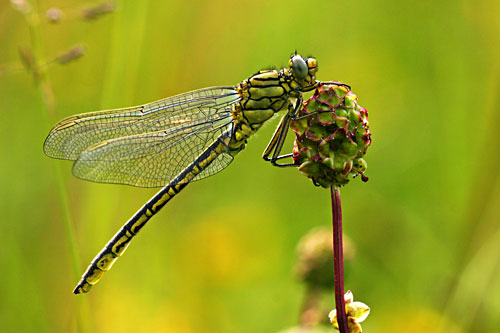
pixel 219 257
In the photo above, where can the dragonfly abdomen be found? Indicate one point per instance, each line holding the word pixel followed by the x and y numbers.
pixel 119 243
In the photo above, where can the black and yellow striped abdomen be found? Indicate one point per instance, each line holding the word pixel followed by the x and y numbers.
pixel 119 243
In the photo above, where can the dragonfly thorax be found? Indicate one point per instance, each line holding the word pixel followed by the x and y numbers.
pixel 267 92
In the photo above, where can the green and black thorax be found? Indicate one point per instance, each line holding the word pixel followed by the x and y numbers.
pixel 268 92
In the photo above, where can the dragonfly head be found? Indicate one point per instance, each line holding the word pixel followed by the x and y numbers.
pixel 303 71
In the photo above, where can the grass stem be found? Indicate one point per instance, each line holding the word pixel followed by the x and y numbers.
pixel 47 96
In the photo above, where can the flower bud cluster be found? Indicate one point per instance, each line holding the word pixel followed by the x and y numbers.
pixel 332 136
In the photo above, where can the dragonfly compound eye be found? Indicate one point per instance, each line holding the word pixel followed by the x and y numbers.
pixel 299 67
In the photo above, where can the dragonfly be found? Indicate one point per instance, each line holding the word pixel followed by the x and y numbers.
pixel 177 140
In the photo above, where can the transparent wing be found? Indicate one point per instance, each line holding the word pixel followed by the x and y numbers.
pixel 222 161
pixel 73 135
pixel 153 159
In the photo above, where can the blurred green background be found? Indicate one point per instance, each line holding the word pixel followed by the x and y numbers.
pixel 219 258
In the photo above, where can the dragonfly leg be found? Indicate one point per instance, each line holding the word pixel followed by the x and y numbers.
pixel 310 114
pixel 274 140
pixel 286 156
pixel 279 137
pixel 320 83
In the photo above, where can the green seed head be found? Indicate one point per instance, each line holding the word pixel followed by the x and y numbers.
pixel 332 136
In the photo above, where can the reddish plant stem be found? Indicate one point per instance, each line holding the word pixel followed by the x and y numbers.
pixel 338 261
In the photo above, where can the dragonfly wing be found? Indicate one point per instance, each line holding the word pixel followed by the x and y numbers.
pixel 153 159
pixel 73 135
pixel 222 161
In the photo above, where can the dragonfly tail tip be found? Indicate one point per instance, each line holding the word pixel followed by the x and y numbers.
pixel 81 288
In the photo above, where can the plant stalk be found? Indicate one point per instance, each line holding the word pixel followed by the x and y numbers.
pixel 48 100
pixel 338 260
